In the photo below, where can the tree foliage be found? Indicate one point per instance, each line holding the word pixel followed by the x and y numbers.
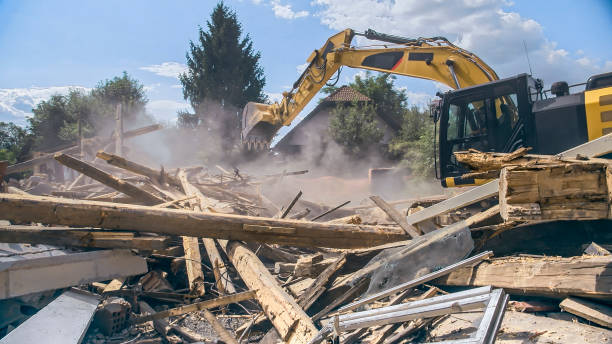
pixel 222 66
pixel 355 128
pixel 414 143
pixel 15 143
pixel 388 100
pixel 54 122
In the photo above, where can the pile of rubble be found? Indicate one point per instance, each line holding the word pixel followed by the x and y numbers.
pixel 125 253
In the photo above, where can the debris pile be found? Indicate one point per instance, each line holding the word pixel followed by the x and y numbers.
pixel 125 253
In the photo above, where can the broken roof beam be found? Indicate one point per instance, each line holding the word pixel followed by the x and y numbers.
pixel 61 236
pixel 64 320
pixel 289 319
pixel 28 276
pixel 79 213
pixel 158 176
pixel 108 179
pixel 597 147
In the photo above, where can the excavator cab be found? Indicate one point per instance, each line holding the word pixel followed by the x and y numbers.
pixel 490 118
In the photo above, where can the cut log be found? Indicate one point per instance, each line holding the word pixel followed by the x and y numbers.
pixel 585 276
pixel 291 322
pixel 78 213
pixel 396 216
pixel 564 191
pixel 108 179
pixel 591 311
pixel 158 176
pixel 60 236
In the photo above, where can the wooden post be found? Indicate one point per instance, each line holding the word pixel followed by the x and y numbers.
pixel 396 216
pixel 118 131
pixel 142 170
pixel 291 322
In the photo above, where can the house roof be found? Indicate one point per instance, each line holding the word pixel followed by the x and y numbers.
pixel 346 94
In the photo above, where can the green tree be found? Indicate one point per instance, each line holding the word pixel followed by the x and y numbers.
pixel 414 143
pixel 223 68
pixel 15 142
pixel 355 128
pixel 123 90
pixel 49 117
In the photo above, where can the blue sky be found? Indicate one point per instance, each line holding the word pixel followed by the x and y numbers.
pixel 49 46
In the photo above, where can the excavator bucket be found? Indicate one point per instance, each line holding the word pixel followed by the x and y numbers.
pixel 258 127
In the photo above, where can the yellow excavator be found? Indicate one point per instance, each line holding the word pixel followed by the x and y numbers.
pixel 481 112
pixel 429 58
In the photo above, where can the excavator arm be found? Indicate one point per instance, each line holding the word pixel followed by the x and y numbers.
pixel 427 58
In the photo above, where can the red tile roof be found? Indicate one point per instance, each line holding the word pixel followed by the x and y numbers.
pixel 346 94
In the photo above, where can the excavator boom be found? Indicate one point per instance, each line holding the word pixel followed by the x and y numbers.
pixel 428 58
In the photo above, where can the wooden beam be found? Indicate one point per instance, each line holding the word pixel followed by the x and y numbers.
pixel 108 179
pixel 591 311
pixel 396 216
pixel 21 277
pixel 158 176
pixel 584 276
pixel 224 284
pixel 78 213
pixel 61 236
pixel 194 307
pixel 561 191
pixel 291 322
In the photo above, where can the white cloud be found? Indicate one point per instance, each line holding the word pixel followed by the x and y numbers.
pixel 151 87
pixel 301 68
pixel 19 102
pixel 165 110
pixel 176 86
pixel 285 11
pixel 167 69
pixel 489 28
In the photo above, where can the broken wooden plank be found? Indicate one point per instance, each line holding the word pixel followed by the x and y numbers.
pixel 193 265
pixel 108 179
pixel 21 277
pixel 222 278
pixel 289 319
pixel 61 236
pixel 290 206
pixel 597 147
pixel 158 176
pixel 312 293
pixel 562 191
pixel 591 311
pixel 225 336
pixel 584 276
pixel 64 320
pixel 79 213
pixel 396 216
pixel 194 307
pixel 161 325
